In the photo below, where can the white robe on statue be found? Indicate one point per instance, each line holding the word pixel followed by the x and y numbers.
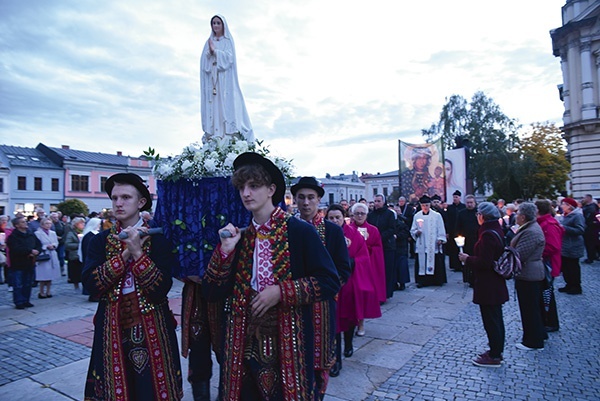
pixel 426 244
pixel 221 102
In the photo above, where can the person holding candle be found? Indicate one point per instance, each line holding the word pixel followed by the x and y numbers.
pixel 429 234
pixel 48 270
pixel 489 288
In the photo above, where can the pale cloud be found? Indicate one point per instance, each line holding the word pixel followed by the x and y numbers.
pixel 345 79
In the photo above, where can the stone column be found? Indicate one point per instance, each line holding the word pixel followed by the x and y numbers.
pixel 588 108
pixel 566 92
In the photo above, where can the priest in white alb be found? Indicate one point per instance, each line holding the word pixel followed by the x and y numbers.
pixel 429 234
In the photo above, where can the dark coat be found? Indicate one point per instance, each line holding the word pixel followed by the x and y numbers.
pixel 335 242
pixel 20 246
pixel 468 227
pixel 385 222
pixel 451 217
pixel 574 224
pixel 489 288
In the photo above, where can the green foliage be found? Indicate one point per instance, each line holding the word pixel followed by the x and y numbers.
pixel 490 137
pixel 544 162
pixel 512 167
pixel 73 206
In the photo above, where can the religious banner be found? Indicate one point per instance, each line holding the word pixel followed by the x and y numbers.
pixel 422 170
pixel 455 171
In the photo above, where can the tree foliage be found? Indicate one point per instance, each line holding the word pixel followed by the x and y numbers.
pixel 544 161
pixel 500 161
pixel 73 206
pixel 490 137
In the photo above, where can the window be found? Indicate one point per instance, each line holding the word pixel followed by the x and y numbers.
pixel 2 210
pixel 55 185
pixel 80 183
pixel 37 183
pixel 103 183
pixel 2 186
pixel 22 183
pixel 374 191
pixel 385 192
pixel 331 201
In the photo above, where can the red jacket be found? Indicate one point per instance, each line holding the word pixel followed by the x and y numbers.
pixel 553 233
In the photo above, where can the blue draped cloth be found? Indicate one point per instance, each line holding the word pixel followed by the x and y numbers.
pixel 191 212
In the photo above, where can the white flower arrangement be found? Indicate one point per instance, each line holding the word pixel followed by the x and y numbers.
pixel 212 159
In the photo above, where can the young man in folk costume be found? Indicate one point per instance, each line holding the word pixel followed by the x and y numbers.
pixel 270 275
pixel 135 354
pixel 430 235
pixel 308 193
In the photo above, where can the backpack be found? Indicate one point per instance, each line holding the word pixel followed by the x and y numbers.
pixel 508 264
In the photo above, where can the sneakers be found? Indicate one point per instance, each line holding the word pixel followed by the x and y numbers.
pixel 488 354
pixel 526 348
pixel 485 361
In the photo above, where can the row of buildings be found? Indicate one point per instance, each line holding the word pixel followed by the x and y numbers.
pixel 45 176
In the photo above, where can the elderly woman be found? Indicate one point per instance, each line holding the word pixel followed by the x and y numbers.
pixel 371 235
pixel 529 284
pixel 553 233
pixel 357 299
pixel 489 288
pixel 72 250
pixel 47 270
pixel 572 245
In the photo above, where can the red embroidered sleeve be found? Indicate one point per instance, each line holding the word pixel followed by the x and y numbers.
pixel 146 273
pixel 300 292
pixel 219 268
pixel 109 273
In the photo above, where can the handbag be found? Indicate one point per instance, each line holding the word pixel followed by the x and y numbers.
pixel 44 256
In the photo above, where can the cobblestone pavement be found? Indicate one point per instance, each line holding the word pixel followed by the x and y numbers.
pixel 567 369
pixel 421 349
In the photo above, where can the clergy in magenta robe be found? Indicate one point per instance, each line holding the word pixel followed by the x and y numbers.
pixel 373 239
pixel 357 299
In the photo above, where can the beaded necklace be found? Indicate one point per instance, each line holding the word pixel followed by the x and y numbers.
pixel 319 223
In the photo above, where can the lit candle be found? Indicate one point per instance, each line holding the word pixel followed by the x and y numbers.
pixel 598 217
pixel 506 218
pixel 420 223
pixel 3 236
pixel 460 242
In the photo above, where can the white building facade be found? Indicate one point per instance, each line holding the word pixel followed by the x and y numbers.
pixel 577 43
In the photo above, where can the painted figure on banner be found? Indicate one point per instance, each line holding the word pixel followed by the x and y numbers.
pixel 421 171
pixel 455 171
pixel 221 102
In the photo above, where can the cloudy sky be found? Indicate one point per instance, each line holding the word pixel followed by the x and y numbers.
pixel 331 84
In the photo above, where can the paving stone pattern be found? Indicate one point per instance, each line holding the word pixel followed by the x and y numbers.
pixel 567 369
pixel 30 351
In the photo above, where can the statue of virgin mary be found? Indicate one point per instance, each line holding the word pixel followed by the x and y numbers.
pixel 221 102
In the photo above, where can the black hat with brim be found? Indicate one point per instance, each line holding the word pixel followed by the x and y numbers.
pixel 436 197
pixel 425 199
pixel 131 179
pixel 310 183
pixel 457 193
pixel 277 178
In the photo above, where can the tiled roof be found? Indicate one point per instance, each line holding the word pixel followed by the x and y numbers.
pixel 26 157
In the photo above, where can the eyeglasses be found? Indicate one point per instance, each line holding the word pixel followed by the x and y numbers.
pixel 360 214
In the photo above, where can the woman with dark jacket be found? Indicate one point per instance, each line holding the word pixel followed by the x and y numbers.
pixel 529 284
pixel 572 246
pixel 489 288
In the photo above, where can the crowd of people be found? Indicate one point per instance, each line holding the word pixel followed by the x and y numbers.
pixel 44 249
pixel 290 290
